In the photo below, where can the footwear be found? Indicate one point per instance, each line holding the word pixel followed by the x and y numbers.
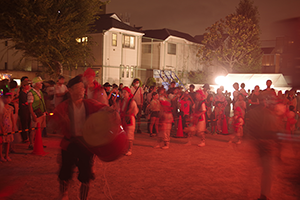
pixel 202 144
pixel 157 147
pixel 3 159
pixel 263 197
pixel 151 135
pixel 12 151
pixel 30 147
pixel 239 142
pixel 8 158
pixel 167 145
pixel 129 153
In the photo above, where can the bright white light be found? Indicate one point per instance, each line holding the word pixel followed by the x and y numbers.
pixel 220 80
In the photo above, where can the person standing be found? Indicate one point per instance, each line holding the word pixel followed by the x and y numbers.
pixel 165 124
pixel 199 122
pixel 24 113
pixel 237 123
pixel 205 89
pixel 93 90
pixel 241 104
pixel 37 107
pixel 262 127
pixel 128 111
pixel 255 98
pixel 7 124
pixel 68 119
pixel 60 90
pixel 235 93
pixel 154 107
pixel 269 91
pixel 221 119
pixel 138 97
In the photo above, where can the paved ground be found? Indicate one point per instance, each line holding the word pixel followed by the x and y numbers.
pixel 217 171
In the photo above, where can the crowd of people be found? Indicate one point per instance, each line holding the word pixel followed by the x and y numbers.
pixel 200 111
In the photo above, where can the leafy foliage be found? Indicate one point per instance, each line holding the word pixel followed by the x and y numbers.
pixel 47 29
pixel 200 77
pixel 247 9
pixel 233 42
pixel 151 81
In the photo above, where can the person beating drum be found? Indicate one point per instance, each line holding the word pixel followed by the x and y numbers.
pixel 69 118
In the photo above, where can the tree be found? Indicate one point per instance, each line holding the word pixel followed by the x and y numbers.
pixel 199 77
pixel 233 43
pixel 47 29
pixel 247 9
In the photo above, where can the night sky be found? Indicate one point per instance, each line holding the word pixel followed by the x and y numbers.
pixel 194 16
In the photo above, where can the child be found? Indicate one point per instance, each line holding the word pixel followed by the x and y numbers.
pixel 237 123
pixel 154 116
pixel 199 122
pixel 291 121
pixel 128 111
pixel 165 124
pixel 235 92
pixel 209 108
pixel 7 125
pixel 241 103
pixel 243 91
pixel 185 105
pixel 217 118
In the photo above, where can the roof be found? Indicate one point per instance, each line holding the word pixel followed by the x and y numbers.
pixel 278 80
pixel 199 38
pixel 267 50
pixel 108 21
pixel 163 34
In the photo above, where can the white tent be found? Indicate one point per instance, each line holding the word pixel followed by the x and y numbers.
pixel 251 80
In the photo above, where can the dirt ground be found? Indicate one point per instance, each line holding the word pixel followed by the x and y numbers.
pixel 217 171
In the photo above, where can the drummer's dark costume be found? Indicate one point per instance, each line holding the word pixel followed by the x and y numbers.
pixel 73 151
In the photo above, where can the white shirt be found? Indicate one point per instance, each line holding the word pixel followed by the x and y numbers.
pixel 58 90
pixel 79 119
pixel 138 97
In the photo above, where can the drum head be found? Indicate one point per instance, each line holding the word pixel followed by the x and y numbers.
pixel 101 127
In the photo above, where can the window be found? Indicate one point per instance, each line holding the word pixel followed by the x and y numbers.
pixel 122 72
pixel 146 48
pixel 171 48
pixel 127 72
pixel 128 41
pixel 132 73
pixel 82 40
pixel 114 39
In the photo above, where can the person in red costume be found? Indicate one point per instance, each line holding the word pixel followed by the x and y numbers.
pixel 128 111
pixel 165 124
pixel 93 90
pixel 68 119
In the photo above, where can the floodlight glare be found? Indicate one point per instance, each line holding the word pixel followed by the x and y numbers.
pixel 220 80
